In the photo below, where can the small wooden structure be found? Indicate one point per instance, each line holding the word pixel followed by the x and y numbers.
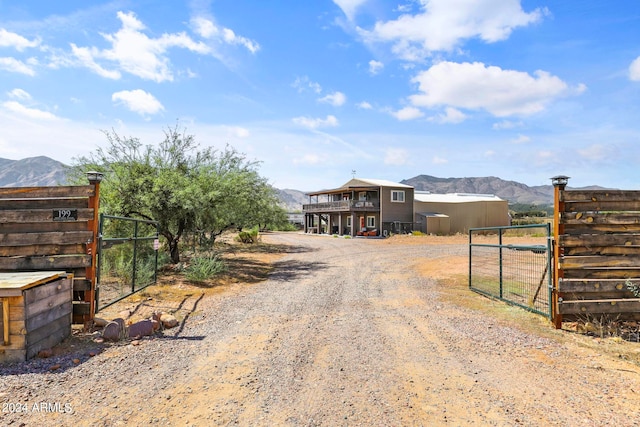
pixel 597 254
pixel 35 312
pixel 54 229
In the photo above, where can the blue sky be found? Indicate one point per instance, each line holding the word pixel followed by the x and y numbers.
pixel 314 90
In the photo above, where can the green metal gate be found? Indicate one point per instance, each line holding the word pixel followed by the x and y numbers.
pixel 127 258
pixel 519 274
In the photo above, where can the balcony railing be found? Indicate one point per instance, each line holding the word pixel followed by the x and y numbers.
pixel 343 206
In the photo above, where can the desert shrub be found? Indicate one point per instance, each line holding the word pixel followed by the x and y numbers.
pixel 203 268
pixel 417 233
pixel 250 236
pixel 284 227
pixel 117 261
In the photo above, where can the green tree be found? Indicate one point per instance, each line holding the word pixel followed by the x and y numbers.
pixel 181 187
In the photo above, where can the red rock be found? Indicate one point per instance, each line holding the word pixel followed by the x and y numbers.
pixel 168 321
pixel 43 354
pixel 112 332
pixel 141 329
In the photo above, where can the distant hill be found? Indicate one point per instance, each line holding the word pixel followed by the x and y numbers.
pixel 31 172
pixel 292 200
pixel 512 191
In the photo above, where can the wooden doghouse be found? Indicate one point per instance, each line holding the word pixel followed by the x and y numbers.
pixel 36 312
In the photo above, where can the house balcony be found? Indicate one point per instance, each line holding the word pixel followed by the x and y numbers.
pixel 343 206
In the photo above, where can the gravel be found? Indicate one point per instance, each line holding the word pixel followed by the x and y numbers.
pixel 343 332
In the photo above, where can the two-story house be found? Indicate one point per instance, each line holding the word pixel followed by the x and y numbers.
pixel 361 207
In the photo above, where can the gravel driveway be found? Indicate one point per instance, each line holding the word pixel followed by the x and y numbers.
pixel 344 332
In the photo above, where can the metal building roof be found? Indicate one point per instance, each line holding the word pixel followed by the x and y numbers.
pixel 422 196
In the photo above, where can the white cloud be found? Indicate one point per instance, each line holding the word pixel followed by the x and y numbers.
pixel 231 38
pixel 238 132
pixel 521 139
pixel 506 124
pixel 302 84
pixel 439 160
pixel 441 25
pixel 475 86
pixel 596 152
pixel 136 53
pixel 634 70
pixel 544 158
pixel 31 113
pixel 396 157
pixel 450 115
pixel 18 93
pixel 404 8
pixel 349 7
pixel 309 159
pixel 375 66
pixel 86 57
pixel 311 123
pixel 407 113
pixel 138 101
pixel 9 39
pixel 15 66
pixel 207 29
pixel 204 27
pixel 364 105
pixel 336 99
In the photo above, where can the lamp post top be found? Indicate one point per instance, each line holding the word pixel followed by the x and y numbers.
pixel 94 177
pixel 559 180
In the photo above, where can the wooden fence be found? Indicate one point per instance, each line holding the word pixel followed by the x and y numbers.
pixel 53 229
pixel 597 255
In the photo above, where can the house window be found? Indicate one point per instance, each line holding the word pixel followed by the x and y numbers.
pixel 371 222
pixel 348 221
pixel 397 196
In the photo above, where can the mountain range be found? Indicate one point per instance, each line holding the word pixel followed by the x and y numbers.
pixel 31 172
pixel 43 171
pixel 512 191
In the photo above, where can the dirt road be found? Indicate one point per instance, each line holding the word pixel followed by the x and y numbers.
pixel 344 332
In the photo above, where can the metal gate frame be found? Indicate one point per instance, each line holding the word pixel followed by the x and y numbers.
pixel 499 290
pixel 102 241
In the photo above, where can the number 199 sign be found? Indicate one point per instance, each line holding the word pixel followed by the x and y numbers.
pixel 65 214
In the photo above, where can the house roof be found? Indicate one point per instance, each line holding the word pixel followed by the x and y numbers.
pixel 361 183
pixel 376 182
pixel 422 196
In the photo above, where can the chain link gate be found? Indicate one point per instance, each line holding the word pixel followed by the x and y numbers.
pixel 127 258
pixel 520 274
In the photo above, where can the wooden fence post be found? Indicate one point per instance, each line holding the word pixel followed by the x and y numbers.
pixel 92 248
pixel 559 184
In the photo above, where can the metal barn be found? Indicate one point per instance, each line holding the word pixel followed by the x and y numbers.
pixel 458 212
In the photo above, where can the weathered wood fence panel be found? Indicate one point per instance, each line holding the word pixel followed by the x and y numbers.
pixel 52 228
pixel 598 246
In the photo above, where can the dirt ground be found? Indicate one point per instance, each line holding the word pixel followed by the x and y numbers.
pixel 315 330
